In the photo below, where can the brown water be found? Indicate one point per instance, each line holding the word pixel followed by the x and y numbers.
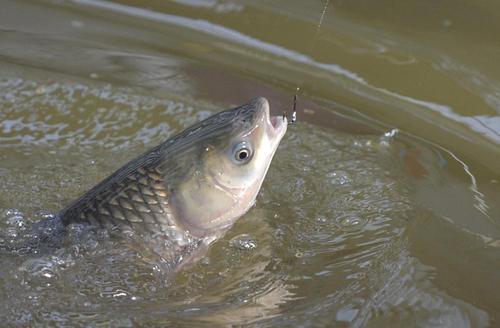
pixel 382 205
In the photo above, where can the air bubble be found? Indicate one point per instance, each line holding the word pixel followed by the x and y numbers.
pixel 391 134
pixel 387 137
pixel 321 219
pixel 351 222
pixel 15 219
pixel 338 178
pixel 244 242
pixel 39 268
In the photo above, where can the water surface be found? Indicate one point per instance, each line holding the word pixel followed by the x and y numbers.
pixel 380 209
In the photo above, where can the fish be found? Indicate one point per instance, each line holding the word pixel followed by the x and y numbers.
pixel 185 193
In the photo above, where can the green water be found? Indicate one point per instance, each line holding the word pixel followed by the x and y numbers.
pixel 381 207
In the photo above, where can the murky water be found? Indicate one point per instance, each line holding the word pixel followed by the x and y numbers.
pixel 381 207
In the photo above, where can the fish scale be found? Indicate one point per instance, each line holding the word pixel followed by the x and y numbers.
pixel 140 198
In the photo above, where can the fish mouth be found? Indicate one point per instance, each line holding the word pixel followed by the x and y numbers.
pixel 276 125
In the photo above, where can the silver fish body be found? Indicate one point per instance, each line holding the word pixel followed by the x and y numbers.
pixel 190 189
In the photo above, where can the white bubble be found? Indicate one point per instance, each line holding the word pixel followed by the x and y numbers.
pixel 244 242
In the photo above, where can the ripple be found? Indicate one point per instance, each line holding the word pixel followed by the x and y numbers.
pixel 327 238
pixel 42 113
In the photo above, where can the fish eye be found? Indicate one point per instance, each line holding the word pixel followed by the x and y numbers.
pixel 242 152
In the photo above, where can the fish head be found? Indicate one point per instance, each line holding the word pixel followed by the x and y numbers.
pixel 234 153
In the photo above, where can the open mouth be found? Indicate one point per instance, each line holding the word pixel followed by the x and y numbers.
pixel 276 121
pixel 279 124
pixel 276 125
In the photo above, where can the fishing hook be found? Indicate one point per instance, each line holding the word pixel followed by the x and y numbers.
pixel 294 110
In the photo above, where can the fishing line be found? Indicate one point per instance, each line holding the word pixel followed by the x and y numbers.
pixel 320 22
pixel 312 46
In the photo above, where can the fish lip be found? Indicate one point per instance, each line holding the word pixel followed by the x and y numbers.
pixel 276 125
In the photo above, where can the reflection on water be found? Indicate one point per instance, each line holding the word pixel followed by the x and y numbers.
pixel 356 225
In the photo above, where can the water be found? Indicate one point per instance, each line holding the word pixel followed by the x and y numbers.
pixel 380 209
